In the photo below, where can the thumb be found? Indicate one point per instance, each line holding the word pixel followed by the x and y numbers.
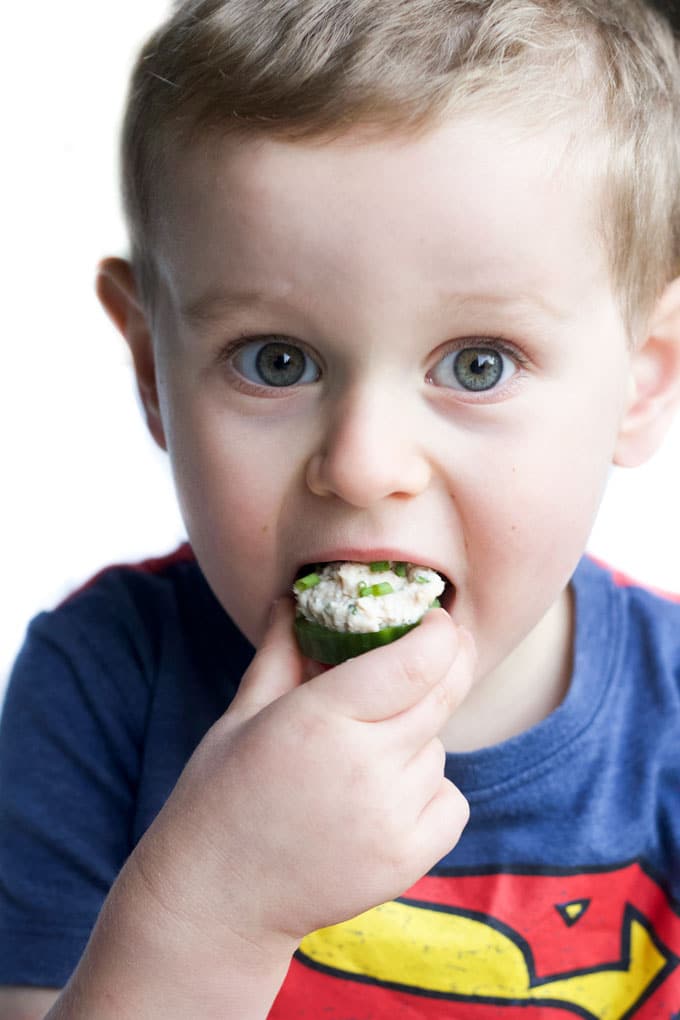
pixel 277 667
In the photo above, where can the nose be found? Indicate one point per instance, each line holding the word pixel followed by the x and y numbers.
pixel 371 449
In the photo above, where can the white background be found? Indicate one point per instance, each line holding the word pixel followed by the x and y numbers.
pixel 83 485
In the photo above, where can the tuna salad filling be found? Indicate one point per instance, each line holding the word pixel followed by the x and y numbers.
pixel 364 598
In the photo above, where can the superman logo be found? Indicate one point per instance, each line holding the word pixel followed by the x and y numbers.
pixel 604 945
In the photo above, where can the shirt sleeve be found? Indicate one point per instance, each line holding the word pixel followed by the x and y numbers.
pixel 70 745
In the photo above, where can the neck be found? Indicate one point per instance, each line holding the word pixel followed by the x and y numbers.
pixel 528 685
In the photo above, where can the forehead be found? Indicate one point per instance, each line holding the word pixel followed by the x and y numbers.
pixel 473 201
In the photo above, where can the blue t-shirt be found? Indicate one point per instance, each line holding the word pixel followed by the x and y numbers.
pixel 561 898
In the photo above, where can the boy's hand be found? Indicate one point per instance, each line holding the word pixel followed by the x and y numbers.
pixel 308 803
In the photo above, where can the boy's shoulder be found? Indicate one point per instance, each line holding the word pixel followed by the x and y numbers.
pixel 647 592
pixel 142 652
pixel 645 603
pixel 145 590
pixel 639 621
pixel 140 619
pixel 148 579
pixel 126 603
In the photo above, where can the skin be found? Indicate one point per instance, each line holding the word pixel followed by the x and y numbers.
pixel 379 259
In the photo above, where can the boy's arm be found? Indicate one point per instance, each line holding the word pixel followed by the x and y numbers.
pixel 144 963
pixel 24 1003
pixel 304 805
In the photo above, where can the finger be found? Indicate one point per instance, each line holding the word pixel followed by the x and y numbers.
pixel 387 681
pixel 277 667
pixel 441 824
pixel 415 727
pixel 421 777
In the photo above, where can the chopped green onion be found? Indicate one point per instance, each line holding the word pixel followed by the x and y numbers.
pixel 379 565
pixel 354 609
pixel 400 569
pixel 310 581
pixel 435 604
pixel 385 588
pixel 422 580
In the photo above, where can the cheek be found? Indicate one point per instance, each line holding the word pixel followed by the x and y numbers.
pixel 552 493
pixel 528 524
pixel 231 489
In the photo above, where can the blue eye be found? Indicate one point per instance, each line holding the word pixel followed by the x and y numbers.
pixel 274 362
pixel 474 369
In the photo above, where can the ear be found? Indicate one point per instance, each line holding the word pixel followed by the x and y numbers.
pixel 117 290
pixel 655 384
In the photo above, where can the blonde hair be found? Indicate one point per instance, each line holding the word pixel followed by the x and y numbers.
pixel 316 69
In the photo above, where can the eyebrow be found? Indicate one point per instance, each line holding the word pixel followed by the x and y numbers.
pixel 214 304
pixel 519 301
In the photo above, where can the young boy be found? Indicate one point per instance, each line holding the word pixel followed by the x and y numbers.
pixel 403 286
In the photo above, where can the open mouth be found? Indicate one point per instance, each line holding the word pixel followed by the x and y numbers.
pixel 446 599
pixel 448 596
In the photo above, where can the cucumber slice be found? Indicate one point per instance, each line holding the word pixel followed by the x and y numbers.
pixel 331 647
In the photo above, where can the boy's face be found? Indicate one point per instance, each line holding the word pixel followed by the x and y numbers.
pixel 437 366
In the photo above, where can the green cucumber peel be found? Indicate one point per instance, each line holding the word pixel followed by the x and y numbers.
pixel 331 647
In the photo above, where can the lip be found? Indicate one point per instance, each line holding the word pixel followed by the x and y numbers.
pixel 354 554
